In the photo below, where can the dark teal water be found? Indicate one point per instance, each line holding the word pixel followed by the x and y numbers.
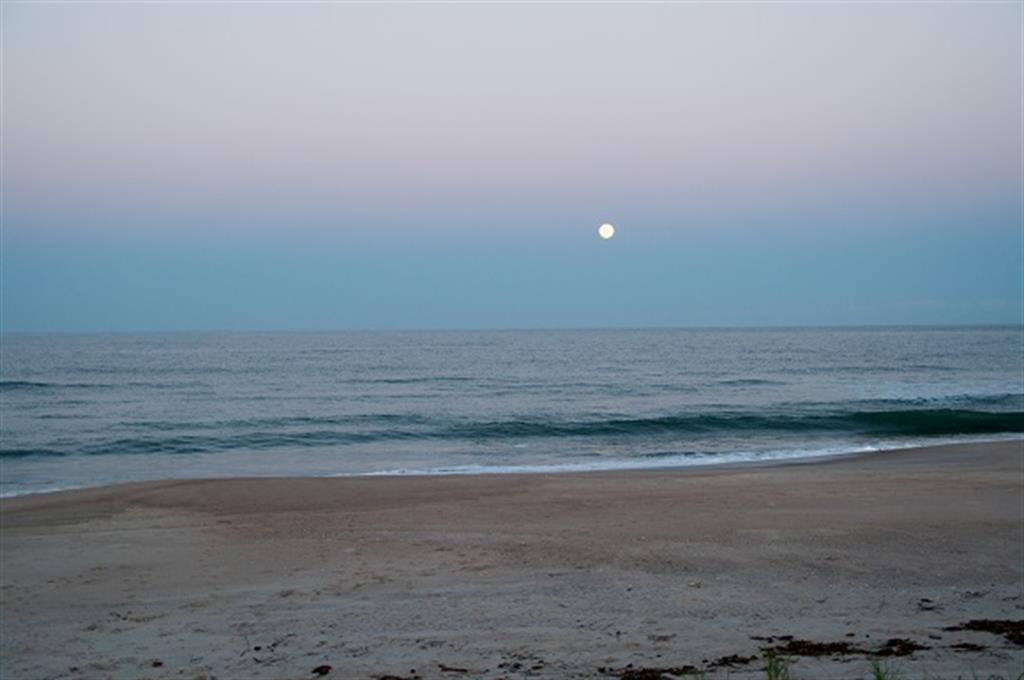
pixel 81 410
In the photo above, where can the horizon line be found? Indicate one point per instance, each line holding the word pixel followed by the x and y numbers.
pixel 509 329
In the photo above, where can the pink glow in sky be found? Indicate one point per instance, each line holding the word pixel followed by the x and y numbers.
pixel 199 117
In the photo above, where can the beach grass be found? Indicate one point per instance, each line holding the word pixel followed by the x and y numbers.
pixel 881 670
pixel 776 667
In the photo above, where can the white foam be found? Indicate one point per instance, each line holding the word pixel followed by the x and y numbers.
pixel 682 460
pixel 672 461
pixel 32 490
pixel 676 461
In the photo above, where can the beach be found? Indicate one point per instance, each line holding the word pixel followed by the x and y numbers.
pixel 883 556
pixel 501 340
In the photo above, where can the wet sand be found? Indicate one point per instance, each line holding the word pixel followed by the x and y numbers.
pixel 550 576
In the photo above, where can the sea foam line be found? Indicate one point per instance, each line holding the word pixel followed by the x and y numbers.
pixel 672 461
pixel 681 460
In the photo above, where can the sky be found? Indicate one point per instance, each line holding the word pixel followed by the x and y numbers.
pixel 275 166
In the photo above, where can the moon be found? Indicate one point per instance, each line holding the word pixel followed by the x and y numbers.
pixel 606 231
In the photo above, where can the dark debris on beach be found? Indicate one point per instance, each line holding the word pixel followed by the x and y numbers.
pixel 777 645
pixel 731 661
pixel 1012 631
pixel 651 673
pixel 631 672
pixel 968 647
pixel 790 646
pixel 794 647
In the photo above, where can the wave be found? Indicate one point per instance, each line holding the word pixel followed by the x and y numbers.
pixel 15 385
pixel 22 453
pixel 389 419
pixel 22 384
pixel 918 422
pixel 913 422
pixel 740 382
pixel 407 381
pixel 1008 400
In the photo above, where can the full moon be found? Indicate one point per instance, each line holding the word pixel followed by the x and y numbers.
pixel 606 231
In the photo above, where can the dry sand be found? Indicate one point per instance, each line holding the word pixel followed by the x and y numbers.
pixel 551 576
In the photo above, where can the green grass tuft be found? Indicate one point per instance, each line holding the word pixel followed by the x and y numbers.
pixel 883 671
pixel 776 668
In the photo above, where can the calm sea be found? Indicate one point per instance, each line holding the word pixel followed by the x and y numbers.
pixel 83 410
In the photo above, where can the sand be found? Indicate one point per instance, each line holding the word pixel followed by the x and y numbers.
pixel 594 575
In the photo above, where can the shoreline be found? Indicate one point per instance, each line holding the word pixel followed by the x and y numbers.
pixel 527 575
pixel 553 469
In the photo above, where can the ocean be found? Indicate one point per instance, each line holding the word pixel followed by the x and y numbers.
pixel 86 410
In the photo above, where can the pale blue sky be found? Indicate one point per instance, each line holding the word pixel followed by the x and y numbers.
pixel 232 166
